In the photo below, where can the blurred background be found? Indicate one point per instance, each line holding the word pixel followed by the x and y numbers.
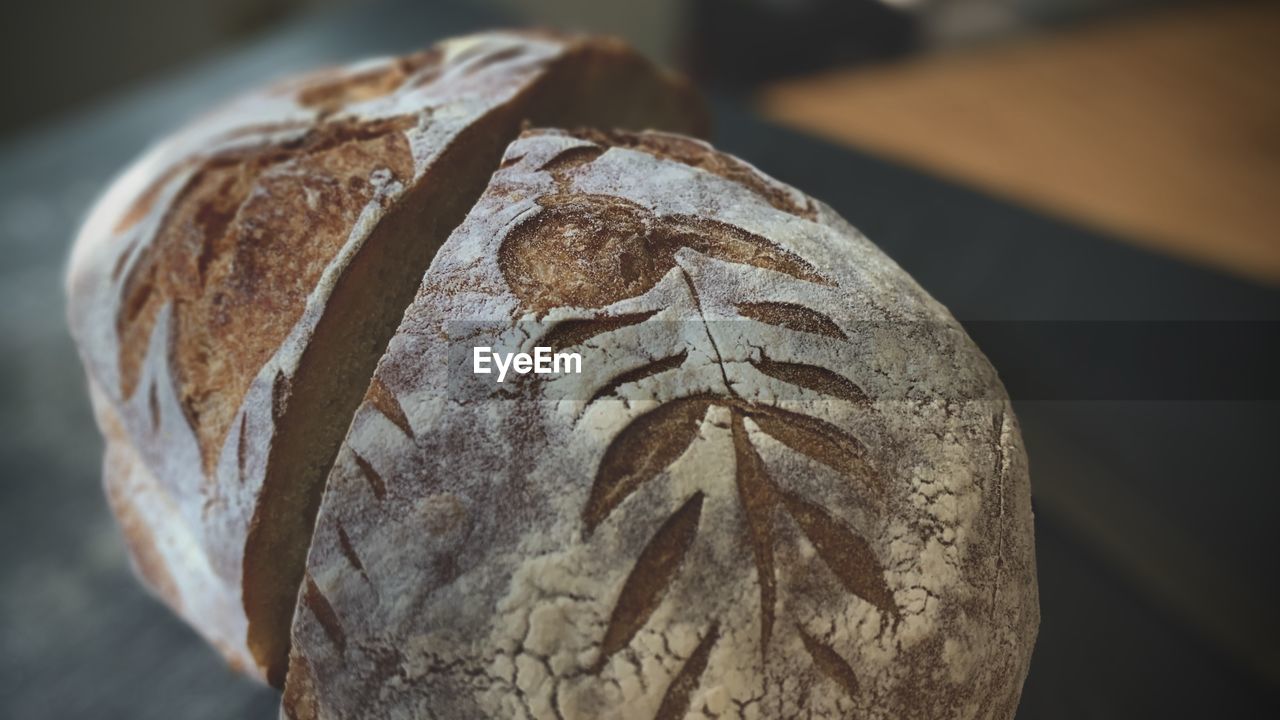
pixel 1092 186
pixel 1151 118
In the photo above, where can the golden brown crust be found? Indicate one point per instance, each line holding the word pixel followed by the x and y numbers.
pixel 238 252
pixel 232 292
pixel 329 92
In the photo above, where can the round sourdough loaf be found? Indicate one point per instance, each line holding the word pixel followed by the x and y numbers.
pixel 785 484
pixel 232 292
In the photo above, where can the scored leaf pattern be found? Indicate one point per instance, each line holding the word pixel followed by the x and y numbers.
pixel 641 452
pixel 820 440
pixel 849 556
pixel 758 498
pixel 653 572
pixel 675 703
pixel 628 250
pixel 646 447
pixel 818 379
pixel 830 663
pixel 613 249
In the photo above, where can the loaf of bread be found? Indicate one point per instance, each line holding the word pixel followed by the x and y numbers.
pixel 233 290
pixel 785 484
pixel 780 482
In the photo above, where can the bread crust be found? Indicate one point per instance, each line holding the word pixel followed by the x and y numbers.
pixel 786 484
pixel 208 272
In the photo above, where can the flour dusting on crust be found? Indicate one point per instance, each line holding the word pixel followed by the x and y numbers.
pixel 786 484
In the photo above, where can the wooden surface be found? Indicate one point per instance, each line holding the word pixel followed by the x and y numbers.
pixel 1163 128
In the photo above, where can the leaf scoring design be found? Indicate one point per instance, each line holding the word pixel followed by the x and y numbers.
pixel 651 576
pixel 590 251
pixel 376 483
pixel 153 405
pixel 821 441
pixel 675 703
pixel 733 244
pixel 642 450
pixel 829 662
pixel 240 445
pixel 848 555
pixel 384 401
pixel 349 551
pixel 585 250
pixel 562 165
pixel 568 333
pixel 793 317
pixel 756 493
pixel 818 379
pixel 640 373
pixel 324 613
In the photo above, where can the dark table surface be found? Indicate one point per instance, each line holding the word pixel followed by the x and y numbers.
pixel 1155 510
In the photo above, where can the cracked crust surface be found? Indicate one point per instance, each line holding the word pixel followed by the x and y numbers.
pixel 231 292
pixel 785 485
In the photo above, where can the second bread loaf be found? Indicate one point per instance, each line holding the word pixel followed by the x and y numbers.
pixel 232 291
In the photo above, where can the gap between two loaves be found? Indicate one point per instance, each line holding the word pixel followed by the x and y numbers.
pixel 338 364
